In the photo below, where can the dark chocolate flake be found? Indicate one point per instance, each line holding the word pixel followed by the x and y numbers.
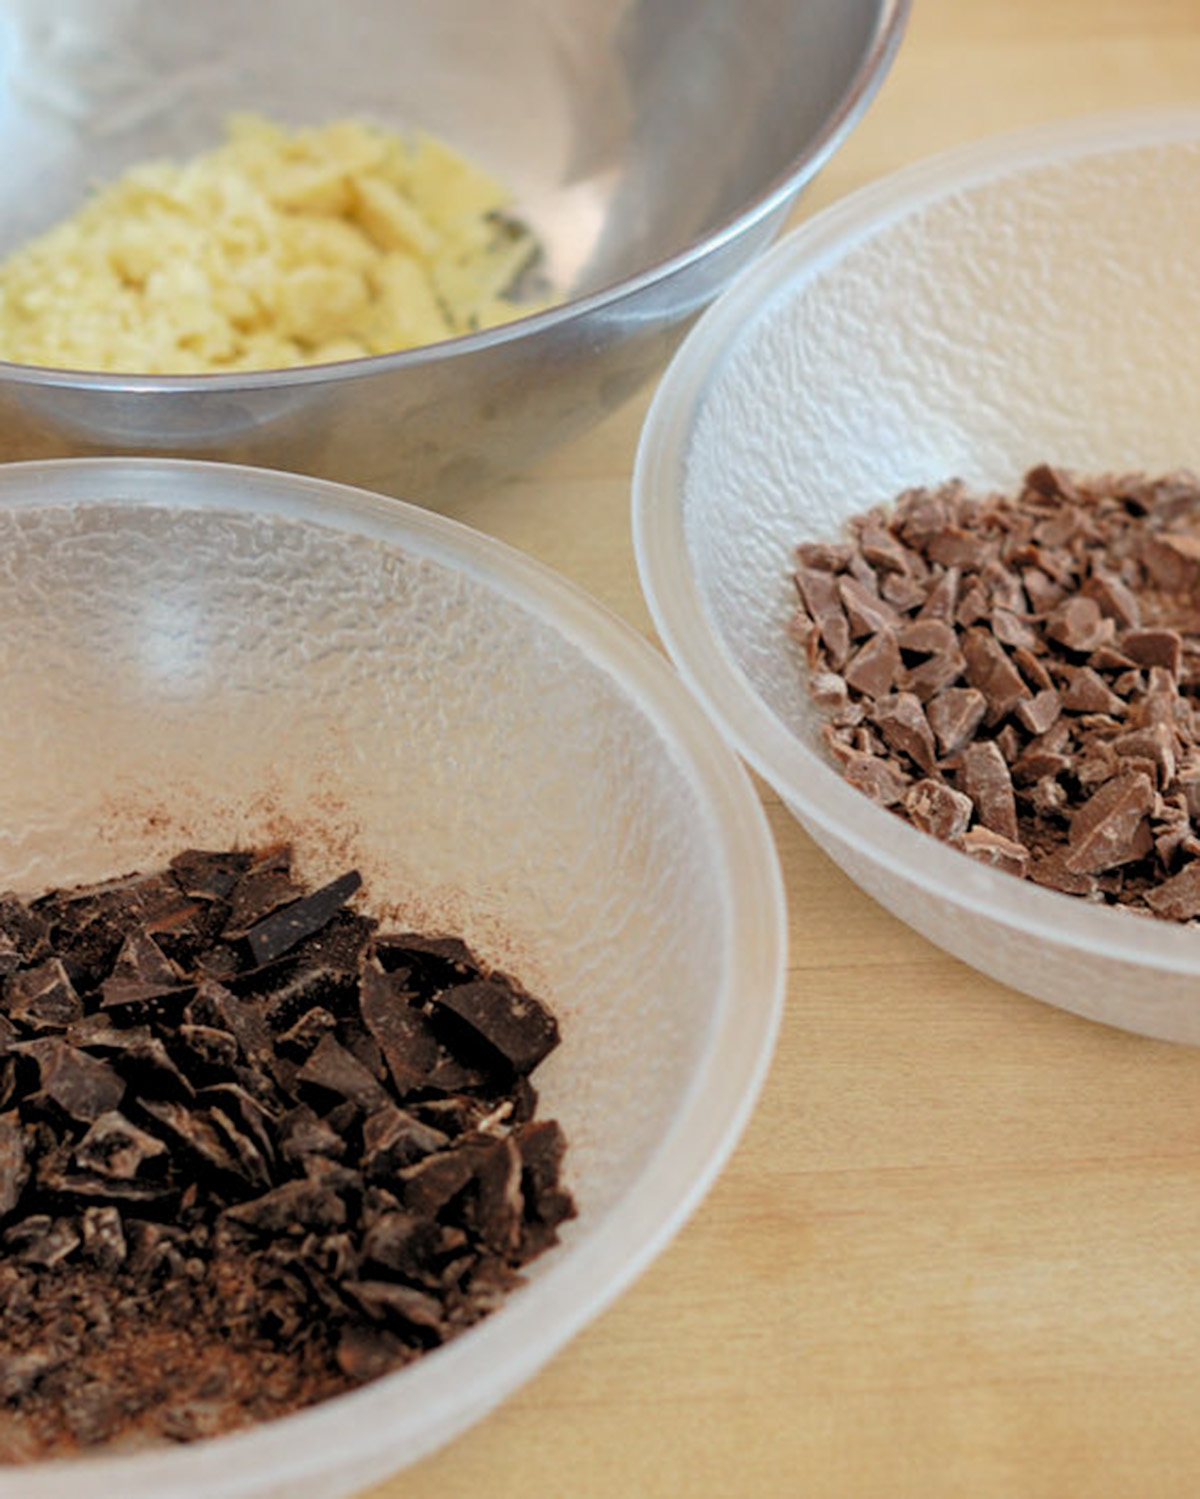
pixel 114 1147
pixel 83 1086
pixel 290 924
pixel 42 998
pixel 14 1165
pixel 294 1205
pixel 393 1138
pixel 332 1069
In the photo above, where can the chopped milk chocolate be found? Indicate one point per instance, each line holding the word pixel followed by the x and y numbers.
pixel 1020 676
pixel 253 1151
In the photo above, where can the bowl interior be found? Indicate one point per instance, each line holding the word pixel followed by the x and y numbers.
pixel 201 655
pixel 627 130
pixel 1024 299
pixel 1033 314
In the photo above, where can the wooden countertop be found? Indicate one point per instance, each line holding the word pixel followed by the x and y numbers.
pixel 958 1249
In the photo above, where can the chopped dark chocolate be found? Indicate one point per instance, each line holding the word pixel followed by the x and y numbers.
pixel 518 1026
pixel 253 1151
pixel 1071 755
pixel 115 1147
pixel 14 1168
pixel 290 924
pixel 81 1085
pixel 42 998
pixel 332 1069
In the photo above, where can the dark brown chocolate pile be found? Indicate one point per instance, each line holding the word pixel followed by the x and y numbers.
pixel 1019 676
pixel 253 1150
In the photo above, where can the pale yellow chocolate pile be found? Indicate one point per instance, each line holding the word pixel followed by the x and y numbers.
pixel 276 249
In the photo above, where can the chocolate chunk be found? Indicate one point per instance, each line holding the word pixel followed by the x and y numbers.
pixel 42 1240
pixel 210 875
pixel 866 612
pixel 1040 712
pixel 307 1031
pixel 26 932
pixel 429 1185
pixel 103 1237
pixel 391 1302
pixel 991 671
pixel 830 691
pixel 393 1138
pixel 902 722
pixel 873 669
pixel 192 1128
pixel 404 1243
pixel 305 1204
pixel 209 1047
pixel 290 924
pixel 81 1085
pixel 926 636
pixel 14 1166
pixel 830 557
pixel 302 1134
pixel 303 990
pixel 1104 831
pixel 1115 600
pixel 1173 562
pixel 880 779
pixel 941 601
pixel 141 958
pixel 332 1069
pixel 116 1148
pixel 1078 624
pixel 138 997
pixel 517 1025
pixel 404 1034
pixel 1084 691
pixel 882 550
pixel 248 1161
pixel 497 1210
pixel 985 778
pixel 819 591
pixel 990 847
pixel 1178 898
pixel 364 1353
pixel 217 1006
pixel 935 808
pixel 42 998
pixel 954 715
pixel 139 1052
pixel 1155 648
pixel 1033 669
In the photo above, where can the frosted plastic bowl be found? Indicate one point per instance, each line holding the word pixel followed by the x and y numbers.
pixel 200 653
pixel 1031 297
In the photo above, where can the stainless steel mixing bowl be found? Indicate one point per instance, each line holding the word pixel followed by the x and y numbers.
pixel 654 145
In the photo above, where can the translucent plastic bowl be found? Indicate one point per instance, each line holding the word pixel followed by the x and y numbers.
pixel 193 654
pixel 1031 297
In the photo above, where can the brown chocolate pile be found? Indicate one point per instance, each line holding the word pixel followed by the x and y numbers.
pixel 1019 676
pixel 253 1150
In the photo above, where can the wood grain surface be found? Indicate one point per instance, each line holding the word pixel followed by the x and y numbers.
pixel 957 1252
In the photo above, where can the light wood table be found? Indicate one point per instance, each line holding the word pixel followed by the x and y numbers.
pixel 958 1250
